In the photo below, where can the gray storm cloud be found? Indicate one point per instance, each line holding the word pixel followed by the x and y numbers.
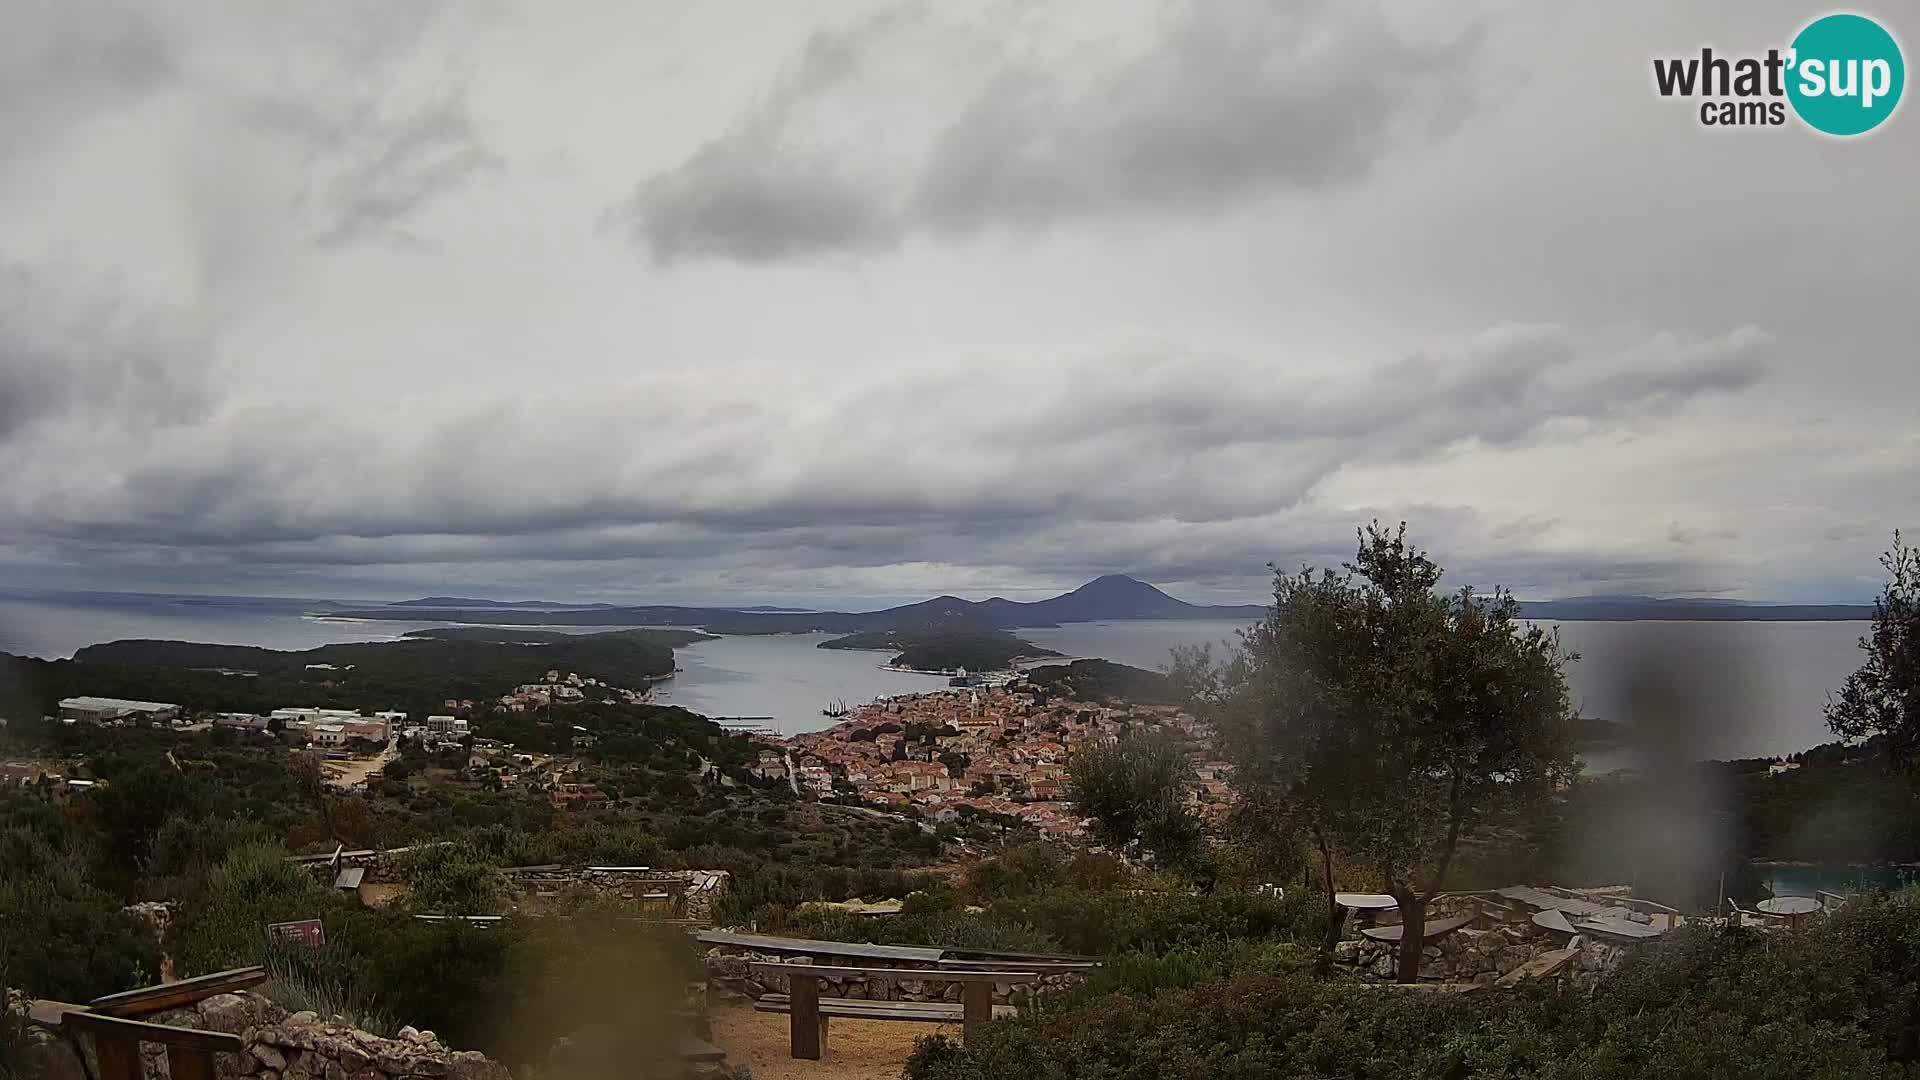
pixel 1179 462
pixel 931 297
pixel 76 357
pixel 1227 100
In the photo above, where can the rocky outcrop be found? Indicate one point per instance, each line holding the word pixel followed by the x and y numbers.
pixel 154 917
pixel 1478 956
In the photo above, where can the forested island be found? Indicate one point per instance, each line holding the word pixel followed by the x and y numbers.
pixel 1103 680
pixel 415 675
pixel 991 650
pixel 671 639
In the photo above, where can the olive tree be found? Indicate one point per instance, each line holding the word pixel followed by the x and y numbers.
pixel 1136 791
pixel 1883 697
pixel 1389 721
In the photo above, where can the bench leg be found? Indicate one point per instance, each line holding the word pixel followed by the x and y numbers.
pixel 119 1057
pixel 976 1007
pixel 189 1064
pixel 807 1029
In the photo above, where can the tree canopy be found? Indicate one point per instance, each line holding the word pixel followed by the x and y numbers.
pixel 1883 696
pixel 1389 720
pixel 1135 790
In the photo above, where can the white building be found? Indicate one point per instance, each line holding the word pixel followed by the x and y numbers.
pixel 306 717
pixel 240 721
pixel 101 710
pixel 327 735
pixel 817 777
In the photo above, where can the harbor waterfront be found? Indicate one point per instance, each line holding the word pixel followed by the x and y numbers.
pixel 1768 704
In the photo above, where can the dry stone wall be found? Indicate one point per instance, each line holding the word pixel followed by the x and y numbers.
pixel 280 1046
pixel 731 978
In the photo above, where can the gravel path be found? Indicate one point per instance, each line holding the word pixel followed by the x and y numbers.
pixel 856 1049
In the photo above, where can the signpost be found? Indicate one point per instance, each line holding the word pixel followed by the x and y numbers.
pixel 303 932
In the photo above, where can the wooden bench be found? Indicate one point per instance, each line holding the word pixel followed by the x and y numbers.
pixel 174 995
pixel 808 1024
pixel 822 950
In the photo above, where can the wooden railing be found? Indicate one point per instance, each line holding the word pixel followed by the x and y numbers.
pixel 109 1022
pixel 116 1044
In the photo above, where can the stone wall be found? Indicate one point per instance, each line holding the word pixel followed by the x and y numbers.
pixel 280 1046
pixel 730 978
pixel 1479 956
pixel 704 889
pixel 534 884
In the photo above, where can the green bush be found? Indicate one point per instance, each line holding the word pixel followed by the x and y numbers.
pixel 326 982
pixel 1099 923
pixel 1835 1000
pixel 13 1035
pixel 253 887
pixel 1144 974
pixel 452 879
pixel 1030 868
pixel 60 935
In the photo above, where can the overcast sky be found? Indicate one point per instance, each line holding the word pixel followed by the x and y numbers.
pixel 845 302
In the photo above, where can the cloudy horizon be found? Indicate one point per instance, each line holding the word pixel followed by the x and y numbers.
pixel 855 305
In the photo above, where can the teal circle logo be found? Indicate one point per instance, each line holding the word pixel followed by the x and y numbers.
pixel 1845 74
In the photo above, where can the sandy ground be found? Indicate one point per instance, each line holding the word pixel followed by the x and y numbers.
pixel 345 774
pixel 856 1049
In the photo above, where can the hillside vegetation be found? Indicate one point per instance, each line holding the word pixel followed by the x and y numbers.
pixel 415 675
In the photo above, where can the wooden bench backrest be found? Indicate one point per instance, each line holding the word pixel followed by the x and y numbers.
pixel 116 1045
pixel 152 999
pixel 831 971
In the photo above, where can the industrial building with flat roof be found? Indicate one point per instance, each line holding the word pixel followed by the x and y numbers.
pixel 101 710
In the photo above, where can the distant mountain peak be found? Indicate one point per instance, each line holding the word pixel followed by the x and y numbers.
pixel 1118 584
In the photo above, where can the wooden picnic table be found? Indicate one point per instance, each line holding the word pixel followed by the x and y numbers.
pixel 1433 929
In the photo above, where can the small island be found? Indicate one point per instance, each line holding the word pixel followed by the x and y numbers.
pixel 943 651
pixel 508 635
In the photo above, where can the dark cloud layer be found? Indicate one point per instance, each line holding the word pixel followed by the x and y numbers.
pixel 937 297
pixel 76 355
pixel 1183 464
pixel 1228 100
pixel 61 60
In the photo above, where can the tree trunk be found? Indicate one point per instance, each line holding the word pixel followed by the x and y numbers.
pixel 1413 936
pixel 1336 917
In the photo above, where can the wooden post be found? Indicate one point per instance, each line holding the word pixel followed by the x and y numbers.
pixel 808 1029
pixel 976 1008
pixel 119 1056
pixel 184 1064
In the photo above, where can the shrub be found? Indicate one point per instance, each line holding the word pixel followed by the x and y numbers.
pixel 60 935
pixel 1830 1001
pixel 253 887
pixel 323 982
pixel 1144 974
pixel 1153 922
pixel 1021 871
pixel 452 879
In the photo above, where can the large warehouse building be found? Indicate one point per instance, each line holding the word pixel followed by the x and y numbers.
pixel 101 710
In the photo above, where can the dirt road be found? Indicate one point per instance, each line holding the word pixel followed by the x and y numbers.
pixel 856 1049
pixel 345 774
